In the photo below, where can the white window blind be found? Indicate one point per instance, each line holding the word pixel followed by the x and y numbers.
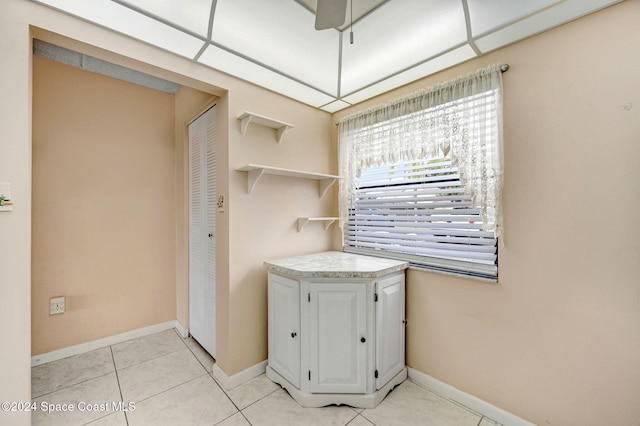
pixel 422 177
pixel 419 211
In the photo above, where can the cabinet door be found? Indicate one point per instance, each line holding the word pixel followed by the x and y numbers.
pixel 390 328
pixel 284 327
pixel 337 337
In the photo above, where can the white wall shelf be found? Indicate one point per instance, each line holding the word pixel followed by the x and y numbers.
pixel 302 221
pixel 250 117
pixel 255 172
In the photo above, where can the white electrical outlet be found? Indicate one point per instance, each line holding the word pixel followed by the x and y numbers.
pixel 56 305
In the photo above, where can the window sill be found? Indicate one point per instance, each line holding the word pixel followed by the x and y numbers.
pixel 453 274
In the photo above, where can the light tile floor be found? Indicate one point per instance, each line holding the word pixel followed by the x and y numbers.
pixel 166 380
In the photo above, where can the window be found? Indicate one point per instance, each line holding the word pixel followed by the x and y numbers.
pixel 419 211
pixel 422 177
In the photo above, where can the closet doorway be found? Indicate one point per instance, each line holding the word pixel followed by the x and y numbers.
pixel 202 228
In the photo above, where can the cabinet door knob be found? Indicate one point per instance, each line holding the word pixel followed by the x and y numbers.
pixel 362 339
pixel 293 334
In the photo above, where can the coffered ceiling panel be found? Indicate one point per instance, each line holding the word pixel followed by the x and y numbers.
pixel 280 34
pixel 250 71
pixel 483 17
pixel 274 44
pixel 130 22
pixel 195 17
pixel 439 63
pixel 397 36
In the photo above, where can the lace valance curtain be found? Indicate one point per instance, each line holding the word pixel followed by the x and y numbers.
pixel 460 119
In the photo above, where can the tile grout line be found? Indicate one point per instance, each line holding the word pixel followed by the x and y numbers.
pixel 180 336
pixel 366 418
pixel 206 373
pixel 171 388
pixel 229 398
pixel 155 357
pixel 198 359
pixel 245 417
pixel 355 417
pixel 238 412
pixel 223 391
pixel 160 356
pixel 259 399
pixel 191 350
pixel 70 385
pixel 126 418
pixel 241 411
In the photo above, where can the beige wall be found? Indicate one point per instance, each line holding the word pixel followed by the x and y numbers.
pixel 557 342
pixel 103 208
pixel 263 224
pixel 65 99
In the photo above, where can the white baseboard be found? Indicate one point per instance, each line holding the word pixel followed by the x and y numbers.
pixel 476 404
pixel 184 332
pixel 101 343
pixel 230 382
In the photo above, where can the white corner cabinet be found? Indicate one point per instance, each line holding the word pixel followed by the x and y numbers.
pixel 336 326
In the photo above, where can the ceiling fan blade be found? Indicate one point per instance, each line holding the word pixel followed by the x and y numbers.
pixel 330 13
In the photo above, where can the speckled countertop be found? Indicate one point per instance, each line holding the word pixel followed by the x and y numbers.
pixel 335 264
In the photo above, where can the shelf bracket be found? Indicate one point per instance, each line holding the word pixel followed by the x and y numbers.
pixel 302 221
pixel 252 178
pixel 324 185
pixel 280 132
pixel 328 223
pixel 244 123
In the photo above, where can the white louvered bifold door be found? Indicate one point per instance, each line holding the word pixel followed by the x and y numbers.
pixel 202 226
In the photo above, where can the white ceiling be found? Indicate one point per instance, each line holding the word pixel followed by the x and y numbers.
pixel 274 44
